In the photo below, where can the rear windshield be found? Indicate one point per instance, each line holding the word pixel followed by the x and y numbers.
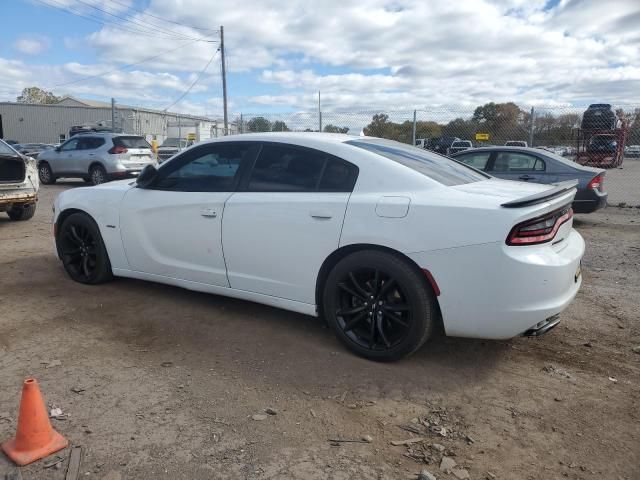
pixel 131 142
pixel 443 170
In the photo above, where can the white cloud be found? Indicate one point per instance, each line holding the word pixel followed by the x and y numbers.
pixel 32 45
pixel 374 54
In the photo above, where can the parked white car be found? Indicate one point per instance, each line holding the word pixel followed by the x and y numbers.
pixel 387 241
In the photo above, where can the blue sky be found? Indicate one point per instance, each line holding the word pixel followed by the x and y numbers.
pixel 365 55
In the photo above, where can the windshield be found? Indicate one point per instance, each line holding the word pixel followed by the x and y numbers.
pixel 6 150
pixel 443 170
pixel 174 142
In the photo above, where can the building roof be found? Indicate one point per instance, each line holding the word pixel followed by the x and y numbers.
pixel 83 102
pixel 69 101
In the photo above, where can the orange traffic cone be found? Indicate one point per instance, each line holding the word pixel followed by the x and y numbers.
pixel 35 438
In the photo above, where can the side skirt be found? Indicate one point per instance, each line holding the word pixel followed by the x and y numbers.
pixel 299 307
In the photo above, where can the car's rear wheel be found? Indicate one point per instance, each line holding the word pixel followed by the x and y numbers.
pixel 22 212
pixel 46 174
pixel 82 250
pixel 97 174
pixel 379 305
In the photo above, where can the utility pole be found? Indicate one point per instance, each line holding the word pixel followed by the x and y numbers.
pixel 414 128
pixel 319 114
pixel 533 117
pixel 113 115
pixel 224 82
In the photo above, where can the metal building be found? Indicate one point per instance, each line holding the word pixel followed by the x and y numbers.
pixel 36 123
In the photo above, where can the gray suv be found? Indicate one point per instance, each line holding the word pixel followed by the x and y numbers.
pixel 96 158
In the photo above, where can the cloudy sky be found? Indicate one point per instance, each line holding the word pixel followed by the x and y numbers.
pixel 363 55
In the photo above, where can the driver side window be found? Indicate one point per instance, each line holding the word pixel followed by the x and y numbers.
pixel 70 145
pixel 208 168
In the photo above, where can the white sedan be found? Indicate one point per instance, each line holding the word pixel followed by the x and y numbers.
pixel 387 241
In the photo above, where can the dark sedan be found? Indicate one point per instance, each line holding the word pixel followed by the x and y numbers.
pixel 539 166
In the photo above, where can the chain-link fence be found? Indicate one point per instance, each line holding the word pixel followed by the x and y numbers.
pixel 602 136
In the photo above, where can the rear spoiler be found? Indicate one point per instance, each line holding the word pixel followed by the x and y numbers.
pixel 557 191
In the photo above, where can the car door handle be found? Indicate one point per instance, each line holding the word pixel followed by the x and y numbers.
pixel 526 177
pixel 320 214
pixel 208 212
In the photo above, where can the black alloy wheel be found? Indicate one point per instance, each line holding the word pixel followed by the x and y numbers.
pixel 378 305
pixel 82 250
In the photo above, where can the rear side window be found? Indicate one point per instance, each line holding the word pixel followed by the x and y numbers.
pixel 131 142
pixel 438 168
pixel 89 143
pixel 476 160
pixel 517 162
pixel 286 168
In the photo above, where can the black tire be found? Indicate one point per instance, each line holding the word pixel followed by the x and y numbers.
pixel 46 174
pixel 22 212
pixel 379 305
pixel 97 175
pixel 82 250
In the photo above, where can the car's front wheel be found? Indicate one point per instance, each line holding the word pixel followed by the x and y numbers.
pixel 82 250
pixel 379 305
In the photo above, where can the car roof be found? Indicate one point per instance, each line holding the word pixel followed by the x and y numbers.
pixel 285 137
pixel 105 134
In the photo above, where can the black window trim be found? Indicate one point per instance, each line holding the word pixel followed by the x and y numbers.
pixel 243 184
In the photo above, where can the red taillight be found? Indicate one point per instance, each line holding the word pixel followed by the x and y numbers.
pixel 118 149
pixel 597 183
pixel 541 229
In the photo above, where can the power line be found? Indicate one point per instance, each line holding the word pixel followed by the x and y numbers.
pixel 124 66
pixel 137 23
pixel 144 12
pixel 59 6
pixel 186 92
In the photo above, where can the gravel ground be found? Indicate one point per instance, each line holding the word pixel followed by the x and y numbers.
pixel 169 380
pixel 623 183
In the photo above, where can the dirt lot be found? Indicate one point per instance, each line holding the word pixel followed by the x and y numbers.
pixel 170 379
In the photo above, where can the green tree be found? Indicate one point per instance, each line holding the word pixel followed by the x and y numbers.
pixel 279 126
pixel 259 124
pixel 502 121
pixel 380 126
pixel 333 129
pixel 37 95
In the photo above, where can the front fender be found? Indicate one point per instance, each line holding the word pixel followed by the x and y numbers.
pixel 103 206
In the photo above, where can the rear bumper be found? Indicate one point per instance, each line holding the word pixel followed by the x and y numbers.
pixel 9 199
pixel 587 201
pixel 496 291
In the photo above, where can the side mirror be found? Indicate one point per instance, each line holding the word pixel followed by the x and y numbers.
pixel 57 149
pixel 146 176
